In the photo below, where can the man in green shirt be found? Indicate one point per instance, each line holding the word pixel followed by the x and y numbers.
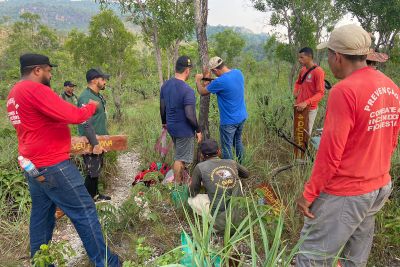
pixel 68 94
pixel 96 80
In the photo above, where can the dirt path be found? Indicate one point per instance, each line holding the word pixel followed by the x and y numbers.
pixel 128 164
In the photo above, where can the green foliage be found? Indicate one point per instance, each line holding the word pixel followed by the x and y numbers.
pixel 142 250
pixel 305 20
pixel 377 17
pixel 109 45
pixel 53 253
pixel 173 256
pixel 228 45
pixel 14 194
pixel 26 35
pixel 278 51
pixel 254 41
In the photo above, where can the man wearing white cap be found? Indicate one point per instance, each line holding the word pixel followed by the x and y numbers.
pixel 350 181
pixel 229 88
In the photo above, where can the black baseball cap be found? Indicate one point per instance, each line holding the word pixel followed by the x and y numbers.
pixel 96 73
pixel 184 62
pixel 69 83
pixel 209 147
pixel 28 60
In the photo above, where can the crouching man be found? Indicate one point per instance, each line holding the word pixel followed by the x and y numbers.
pixel 220 177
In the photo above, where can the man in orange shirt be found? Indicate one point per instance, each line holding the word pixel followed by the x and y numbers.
pixel 350 181
pixel 309 87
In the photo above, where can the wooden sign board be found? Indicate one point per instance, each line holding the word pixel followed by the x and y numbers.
pixel 79 145
pixel 300 132
pixel 270 197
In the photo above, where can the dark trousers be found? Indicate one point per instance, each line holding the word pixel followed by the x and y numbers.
pixel 93 166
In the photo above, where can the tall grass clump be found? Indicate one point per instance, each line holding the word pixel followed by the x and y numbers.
pixel 255 240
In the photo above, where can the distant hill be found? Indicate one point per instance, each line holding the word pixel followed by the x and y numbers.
pixel 254 41
pixel 59 14
pixel 65 15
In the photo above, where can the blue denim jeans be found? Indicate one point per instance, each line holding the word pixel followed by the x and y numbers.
pixel 63 187
pixel 231 135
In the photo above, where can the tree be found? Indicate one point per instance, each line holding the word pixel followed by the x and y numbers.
pixel 305 21
pixel 164 23
pixel 228 45
pixel 178 27
pixel 110 45
pixel 200 16
pixel 27 35
pixel 378 17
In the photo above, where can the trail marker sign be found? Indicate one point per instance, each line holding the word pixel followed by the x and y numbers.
pixel 79 145
pixel 300 132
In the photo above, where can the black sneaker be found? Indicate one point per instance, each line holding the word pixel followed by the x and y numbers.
pixel 101 197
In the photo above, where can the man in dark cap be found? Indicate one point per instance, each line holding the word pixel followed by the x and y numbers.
pixel 41 120
pixel 68 94
pixel 97 81
pixel 220 177
pixel 178 114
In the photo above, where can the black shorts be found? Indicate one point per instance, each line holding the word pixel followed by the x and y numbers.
pixel 93 164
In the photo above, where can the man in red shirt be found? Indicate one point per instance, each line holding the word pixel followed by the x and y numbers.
pixel 350 181
pixel 41 120
pixel 309 87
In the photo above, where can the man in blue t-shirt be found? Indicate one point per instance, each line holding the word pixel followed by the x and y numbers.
pixel 178 114
pixel 229 88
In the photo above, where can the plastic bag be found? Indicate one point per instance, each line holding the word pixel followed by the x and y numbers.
pixel 179 195
pixel 187 259
pixel 161 145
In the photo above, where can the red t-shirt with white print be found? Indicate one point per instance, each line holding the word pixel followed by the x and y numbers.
pixel 41 119
pixel 359 136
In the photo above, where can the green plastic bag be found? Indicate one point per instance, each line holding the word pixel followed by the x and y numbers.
pixel 180 195
pixel 187 259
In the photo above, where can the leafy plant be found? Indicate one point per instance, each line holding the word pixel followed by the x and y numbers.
pixel 143 251
pixel 53 253
pixel 14 193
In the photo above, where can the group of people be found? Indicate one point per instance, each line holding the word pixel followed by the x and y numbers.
pixel 349 184
pixel 41 120
pixel 97 125
pixel 219 174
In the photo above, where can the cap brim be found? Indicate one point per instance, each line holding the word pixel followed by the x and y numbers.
pixel 53 65
pixel 322 46
pixel 377 57
pixel 106 76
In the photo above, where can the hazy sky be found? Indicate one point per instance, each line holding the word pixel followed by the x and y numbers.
pixel 241 13
pixel 236 13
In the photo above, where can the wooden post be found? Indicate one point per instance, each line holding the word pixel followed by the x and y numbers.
pixel 300 132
